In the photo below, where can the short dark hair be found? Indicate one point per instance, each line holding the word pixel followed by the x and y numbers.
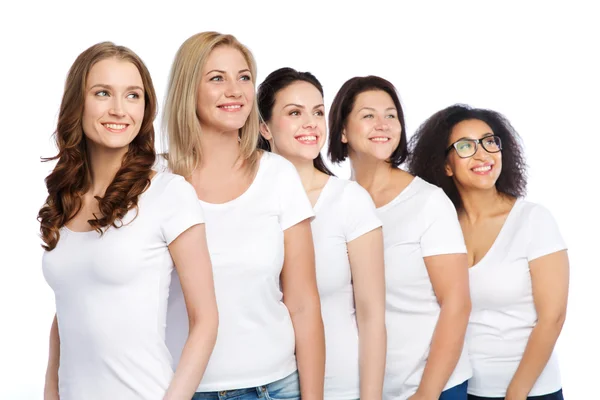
pixel 429 143
pixel 342 107
pixel 268 89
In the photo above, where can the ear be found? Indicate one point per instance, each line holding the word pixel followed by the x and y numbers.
pixel 265 132
pixel 448 169
pixel 344 138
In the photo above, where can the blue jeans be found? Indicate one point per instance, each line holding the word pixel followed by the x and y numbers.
pixel 551 396
pixel 458 392
pixel 287 388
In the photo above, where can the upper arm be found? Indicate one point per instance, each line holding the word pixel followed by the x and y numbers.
pixel 367 265
pixel 550 285
pixel 449 275
pixel 298 276
pixel 192 261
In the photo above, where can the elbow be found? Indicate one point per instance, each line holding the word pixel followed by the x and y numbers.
pixel 205 324
pixel 552 321
pixel 458 307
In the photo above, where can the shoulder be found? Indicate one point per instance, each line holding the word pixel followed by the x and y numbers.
pixel 351 192
pixel 275 163
pixel 432 195
pixel 534 213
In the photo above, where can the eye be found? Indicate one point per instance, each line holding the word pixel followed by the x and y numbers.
pixel 102 93
pixel 464 145
pixel 391 116
pixel 217 78
pixel 295 113
pixel 319 113
pixel 133 96
pixel 490 140
pixel 246 78
pixel 368 116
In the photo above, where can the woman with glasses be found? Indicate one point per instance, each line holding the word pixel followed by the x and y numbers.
pixel 427 283
pixel 519 268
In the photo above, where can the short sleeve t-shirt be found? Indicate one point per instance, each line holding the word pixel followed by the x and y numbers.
pixel 344 212
pixel 255 343
pixel 503 312
pixel 111 297
pixel 420 222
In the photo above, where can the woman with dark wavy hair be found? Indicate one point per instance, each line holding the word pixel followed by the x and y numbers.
pixel 427 291
pixel 519 268
pixel 113 230
pixel 346 234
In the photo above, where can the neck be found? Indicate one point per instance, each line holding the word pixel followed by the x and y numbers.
pixel 220 150
pixel 372 174
pixel 104 165
pixel 478 204
pixel 307 172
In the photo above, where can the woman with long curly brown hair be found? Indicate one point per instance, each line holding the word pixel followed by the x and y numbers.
pixel 518 261
pixel 113 229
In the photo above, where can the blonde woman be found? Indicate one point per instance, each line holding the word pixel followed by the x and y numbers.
pixel 270 342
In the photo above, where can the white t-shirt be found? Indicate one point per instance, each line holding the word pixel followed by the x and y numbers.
pixel 503 314
pixel 420 222
pixel 111 297
pixel 256 343
pixel 344 212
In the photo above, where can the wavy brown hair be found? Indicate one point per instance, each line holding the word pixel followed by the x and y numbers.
pixel 71 177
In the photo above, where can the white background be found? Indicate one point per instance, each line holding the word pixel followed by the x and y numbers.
pixel 535 62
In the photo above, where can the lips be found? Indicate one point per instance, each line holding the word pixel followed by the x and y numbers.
pixel 114 127
pixel 230 107
pixel 380 139
pixel 307 139
pixel 483 169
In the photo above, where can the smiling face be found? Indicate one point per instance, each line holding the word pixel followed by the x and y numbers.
pixel 297 126
pixel 480 171
pixel 114 104
pixel 226 91
pixel 372 127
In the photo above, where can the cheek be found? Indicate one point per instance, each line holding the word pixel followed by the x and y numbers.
pixel 138 112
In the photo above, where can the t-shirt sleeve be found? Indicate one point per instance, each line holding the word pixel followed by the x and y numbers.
pixel 544 235
pixel 294 206
pixel 180 209
pixel 360 214
pixel 442 234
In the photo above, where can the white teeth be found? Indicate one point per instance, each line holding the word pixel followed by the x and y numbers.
pixel 231 107
pixel 116 127
pixel 482 169
pixel 380 139
pixel 307 138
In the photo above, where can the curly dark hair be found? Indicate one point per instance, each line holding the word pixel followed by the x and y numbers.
pixel 265 98
pixel 342 105
pixel 429 143
pixel 70 179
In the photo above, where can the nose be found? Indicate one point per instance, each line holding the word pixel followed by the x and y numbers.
pixel 481 154
pixel 310 122
pixel 381 124
pixel 233 89
pixel 117 108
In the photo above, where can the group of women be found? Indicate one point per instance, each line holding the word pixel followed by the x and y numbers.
pixel 237 266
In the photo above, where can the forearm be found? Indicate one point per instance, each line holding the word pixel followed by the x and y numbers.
pixel 373 347
pixel 194 358
pixel 537 353
pixel 51 381
pixel 446 347
pixel 310 350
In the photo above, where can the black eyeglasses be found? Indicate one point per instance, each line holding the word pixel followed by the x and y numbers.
pixel 466 148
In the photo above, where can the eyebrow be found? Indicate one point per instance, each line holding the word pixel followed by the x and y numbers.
pixel 223 72
pixel 301 106
pixel 102 85
pixel 484 136
pixel 372 109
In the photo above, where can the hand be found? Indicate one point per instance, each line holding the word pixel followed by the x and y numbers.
pixel 513 394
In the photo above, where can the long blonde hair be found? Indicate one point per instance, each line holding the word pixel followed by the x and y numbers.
pixel 181 127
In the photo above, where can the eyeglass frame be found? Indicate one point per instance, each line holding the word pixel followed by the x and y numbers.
pixel 477 142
